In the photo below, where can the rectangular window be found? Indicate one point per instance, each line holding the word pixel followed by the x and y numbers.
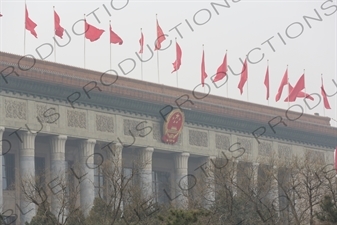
pixel 8 172
pixel 99 182
pixel 161 182
pixel 40 170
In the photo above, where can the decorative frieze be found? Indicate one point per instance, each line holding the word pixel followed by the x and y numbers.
pixel 198 138
pixel 246 144
pixel 156 132
pixel 104 123
pixel 265 149
pixel 135 127
pixel 76 119
pixel 47 113
pixel 284 151
pixel 222 142
pixel 16 109
pixel 315 156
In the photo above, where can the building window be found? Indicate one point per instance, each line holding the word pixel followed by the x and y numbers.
pixel 8 172
pixel 99 182
pixel 40 170
pixel 161 182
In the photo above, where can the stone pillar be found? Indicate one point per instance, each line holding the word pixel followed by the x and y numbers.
pixel 113 179
pixel 146 173
pixel 87 188
pixel 235 177
pixel 255 177
pixel 209 198
pixel 58 176
pixel 27 174
pixel 2 130
pixel 274 191
pixel 181 179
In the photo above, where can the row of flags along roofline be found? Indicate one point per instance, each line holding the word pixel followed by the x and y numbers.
pixel 93 34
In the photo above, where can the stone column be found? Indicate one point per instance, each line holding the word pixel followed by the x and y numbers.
pixel 87 188
pixel 181 179
pixel 114 156
pixel 209 198
pixel 58 176
pixel 235 177
pixel 274 192
pixel 255 176
pixel 27 174
pixel 145 173
pixel 2 130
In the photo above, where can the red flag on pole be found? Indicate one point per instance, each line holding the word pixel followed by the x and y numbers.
pixel 114 38
pixel 141 42
pixel 325 98
pixel 92 33
pixel 222 70
pixel 177 63
pixel 266 82
pixel 30 25
pixel 301 94
pixel 203 71
pixel 0 15
pixel 160 37
pixel 300 85
pixel 58 29
pixel 244 76
pixel 283 83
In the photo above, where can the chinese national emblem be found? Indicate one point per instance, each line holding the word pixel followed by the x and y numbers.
pixel 173 126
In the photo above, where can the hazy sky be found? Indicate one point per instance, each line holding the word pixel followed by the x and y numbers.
pixel 294 40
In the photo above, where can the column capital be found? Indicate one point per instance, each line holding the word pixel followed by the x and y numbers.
pixel 181 160
pixel 27 145
pixel 2 129
pixel 57 144
pixel 86 149
pixel 146 157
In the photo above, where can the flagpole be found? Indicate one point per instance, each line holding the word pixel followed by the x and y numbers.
pixel 176 69
pixel 84 41
pixel 204 62
pixel 54 37
pixel 305 105
pixel 321 91
pixel 157 55
pixel 141 63
pixel 247 77
pixel 268 78
pixel 110 44
pixel 24 32
pixel 288 87
pixel 227 77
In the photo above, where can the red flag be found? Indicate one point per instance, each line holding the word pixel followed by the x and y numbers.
pixel 325 98
pixel 335 158
pixel 160 37
pixel 92 33
pixel 114 38
pixel 30 25
pixel 266 82
pixel 0 15
pixel 141 42
pixel 300 85
pixel 58 29
pixel 203 72
pixel 301 94
pixel 222 70
pixel 244 76
pixel 177 63
pixel 283 83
